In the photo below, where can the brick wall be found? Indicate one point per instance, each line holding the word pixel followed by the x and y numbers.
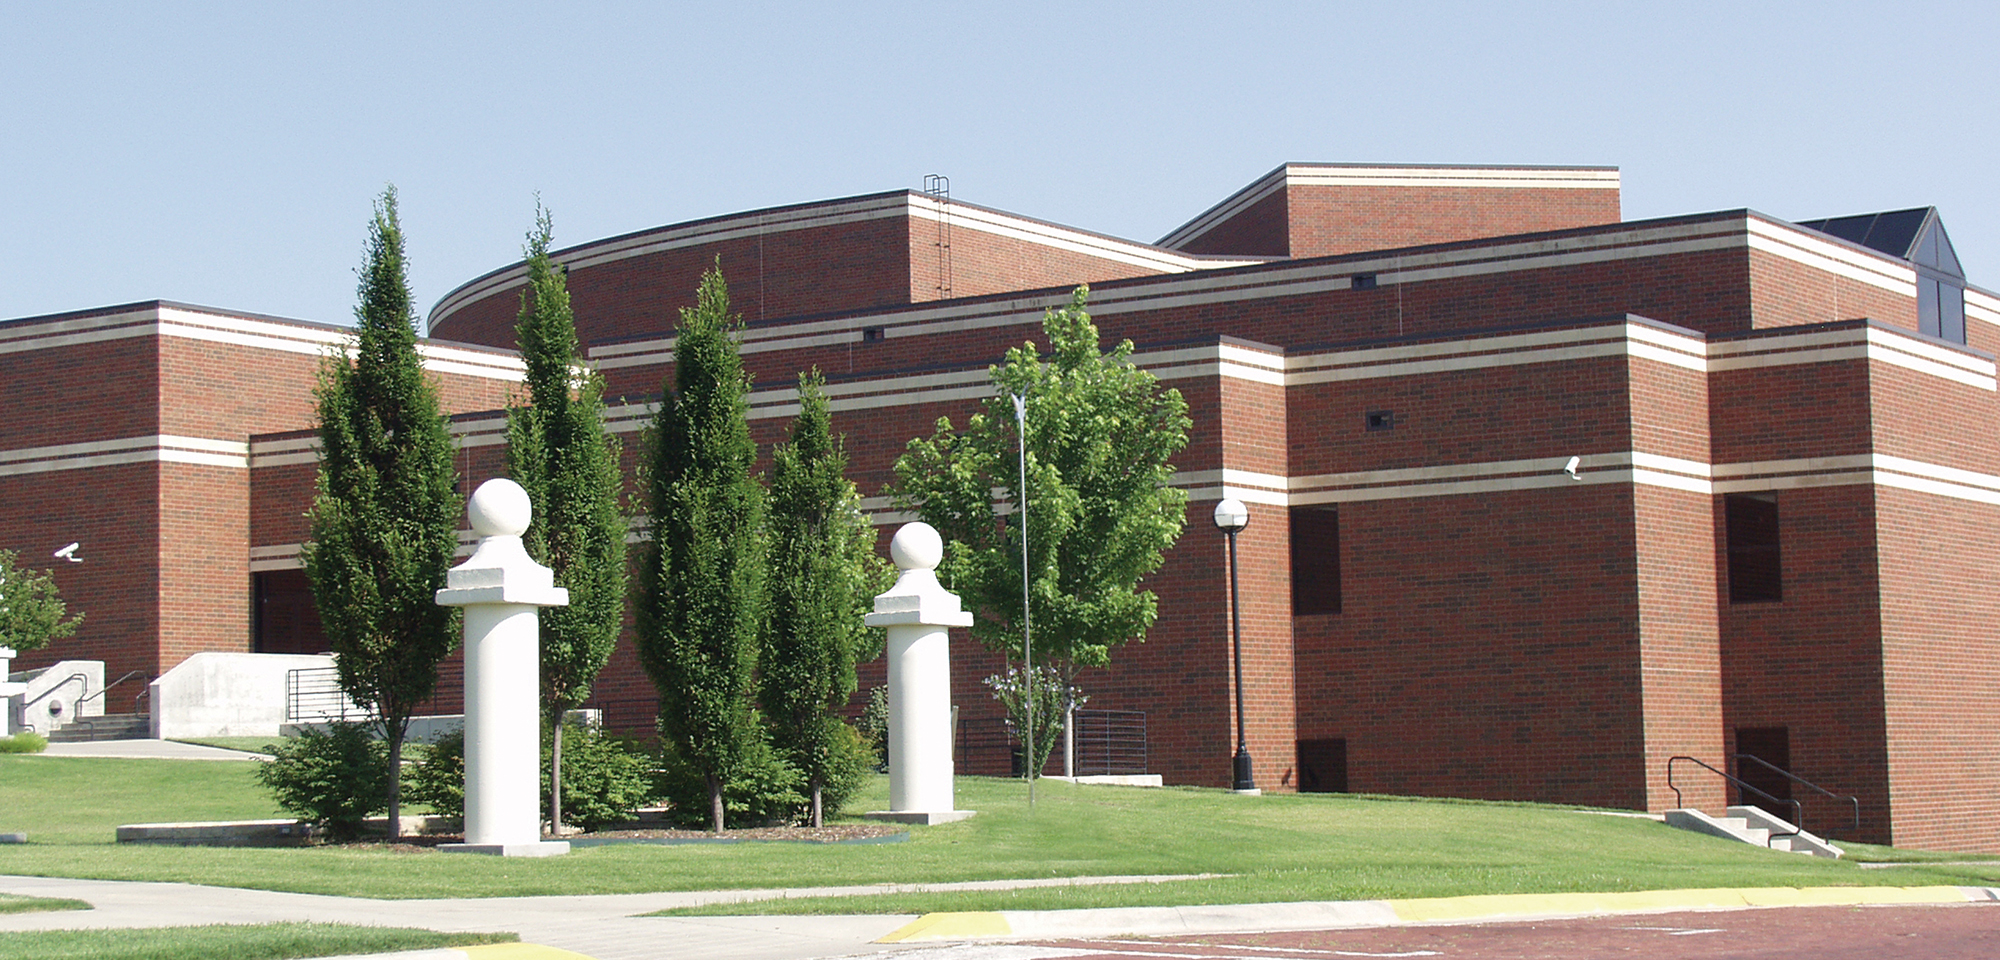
pixel 1327 220
pixel 1812 663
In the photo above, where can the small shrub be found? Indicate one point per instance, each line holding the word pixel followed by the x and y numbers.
pixel 764 789
pixel 853 761
pixel 874 727
pixel 334 779
pixel 437 780
pixel 605 778
pixel 27 741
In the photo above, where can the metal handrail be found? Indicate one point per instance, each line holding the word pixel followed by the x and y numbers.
pixel 90 723
pixel 51 688
pixel 129 674
pixel 1798 812
pixel 1853 802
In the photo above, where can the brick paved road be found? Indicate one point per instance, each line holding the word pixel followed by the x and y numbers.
pixel 1967 932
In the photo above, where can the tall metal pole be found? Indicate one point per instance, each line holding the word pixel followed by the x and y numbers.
pixel 1231 519
pixel 1027 643
pixel 1244 779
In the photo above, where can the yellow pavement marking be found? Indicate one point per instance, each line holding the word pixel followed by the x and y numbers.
pixel 520 951
pixel 950 926
pixel 1519 904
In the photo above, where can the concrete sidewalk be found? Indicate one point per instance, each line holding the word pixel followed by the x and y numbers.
pixel 145 750
pixel 604 928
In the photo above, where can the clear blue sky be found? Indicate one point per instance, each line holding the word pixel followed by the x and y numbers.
pixel 226 153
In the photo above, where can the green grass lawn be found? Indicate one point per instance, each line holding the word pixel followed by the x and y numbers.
pixel 263 941
pixel 9 903
pixel 1276 848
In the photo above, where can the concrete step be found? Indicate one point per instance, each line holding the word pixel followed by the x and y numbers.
pixel 115 726
pixel 1804 842
pixel 1727 828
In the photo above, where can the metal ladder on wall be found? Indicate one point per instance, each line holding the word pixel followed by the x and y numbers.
pixel 938 187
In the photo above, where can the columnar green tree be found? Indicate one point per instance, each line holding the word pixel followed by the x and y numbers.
pixel 822 554
pixel 701 575
pixel 559 451
pixel 32 612
pixel 384 524
pixel 1100 433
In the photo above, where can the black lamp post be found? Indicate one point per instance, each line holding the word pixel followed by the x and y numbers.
pixel 1231 516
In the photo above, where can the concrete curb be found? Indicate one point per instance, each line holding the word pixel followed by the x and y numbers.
pixel 491 951
pixel 1333 915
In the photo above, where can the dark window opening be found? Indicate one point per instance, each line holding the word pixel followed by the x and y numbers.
pixel 1315 560
pixel 1363 281
pixel 284 618
pixel 1323 766
pixel 1940 308
pixel 1380 420
pixel 1773 745
pixel 872 334
pixel 1755 567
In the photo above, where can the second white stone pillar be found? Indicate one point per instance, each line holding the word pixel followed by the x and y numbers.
pixel 917 612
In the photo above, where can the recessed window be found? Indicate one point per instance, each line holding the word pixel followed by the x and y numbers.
pixel 872 334
pixel 1315 560
pixel 1363 281
pixel 1755 567
pixel 1380 420
pixel 1323 766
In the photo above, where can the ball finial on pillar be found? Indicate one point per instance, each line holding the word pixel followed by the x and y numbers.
pixel 916 546
pixel 499 508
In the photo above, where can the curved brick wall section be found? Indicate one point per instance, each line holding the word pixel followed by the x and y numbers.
pixel 814 259
pixel 984 263
pixel 846 266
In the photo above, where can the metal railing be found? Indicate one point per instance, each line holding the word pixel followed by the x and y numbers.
pixel 1110 742
pixel 89 724
pixel 1798 814
pixel 1854 803
pixel 50 691
pixel 314 694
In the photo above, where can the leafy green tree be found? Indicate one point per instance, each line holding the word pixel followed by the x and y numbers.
pixel 1100 433
pixel 822 569
pixel 32 612
pixel 384 524
pixel 560 453
pixel 701 574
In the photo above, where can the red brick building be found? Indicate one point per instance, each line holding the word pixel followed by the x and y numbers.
pixel 1540 498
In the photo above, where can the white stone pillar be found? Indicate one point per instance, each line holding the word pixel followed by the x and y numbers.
pixel 9 692
pixel 500 587
pixel 916 612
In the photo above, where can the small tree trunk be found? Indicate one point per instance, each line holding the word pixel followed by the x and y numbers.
pixel 819 812
pixel 1069 738
pixel 555 781
pixel 715 802
pixel 396 734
